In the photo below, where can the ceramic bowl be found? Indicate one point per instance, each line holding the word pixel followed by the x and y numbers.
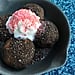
pixel 57 56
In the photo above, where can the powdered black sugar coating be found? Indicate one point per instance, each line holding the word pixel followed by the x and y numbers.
pixel 46 35
pixel 3 20
pixel 4 33
pixel 18 53
pixel 40 54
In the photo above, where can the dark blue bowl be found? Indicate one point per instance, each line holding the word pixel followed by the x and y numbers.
pixel 57 56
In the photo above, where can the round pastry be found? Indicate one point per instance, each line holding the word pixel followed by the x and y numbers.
pixel 18 53
pixel 4 34
pixel 40 54
pixel 46 35
pixel 36 8
pixel 3 19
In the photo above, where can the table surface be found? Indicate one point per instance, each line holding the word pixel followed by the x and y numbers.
pixel 68 8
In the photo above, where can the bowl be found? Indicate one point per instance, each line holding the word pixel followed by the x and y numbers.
pixel 57 55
